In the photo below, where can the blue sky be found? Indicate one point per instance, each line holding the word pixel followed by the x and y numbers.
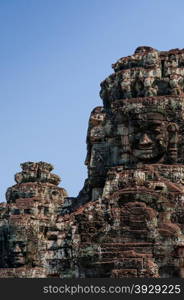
pixel 53 56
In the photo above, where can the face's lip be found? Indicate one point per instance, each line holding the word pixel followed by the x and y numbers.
pixel 145 149
pixel 18 259
pixel 18 254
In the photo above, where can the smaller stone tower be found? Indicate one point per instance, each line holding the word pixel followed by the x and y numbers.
pixel 29 234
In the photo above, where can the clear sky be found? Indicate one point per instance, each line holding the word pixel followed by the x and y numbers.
pixel 53 56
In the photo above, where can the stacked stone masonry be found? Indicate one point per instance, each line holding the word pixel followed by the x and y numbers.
pixel 128 220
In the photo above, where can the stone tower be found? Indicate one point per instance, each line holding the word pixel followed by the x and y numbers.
pixel 28 225
pixel 133 223
pixel 128 220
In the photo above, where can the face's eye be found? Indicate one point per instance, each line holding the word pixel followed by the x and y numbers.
pixel 157 130
pixel 55 193
pixel 137 135
pixel 137 129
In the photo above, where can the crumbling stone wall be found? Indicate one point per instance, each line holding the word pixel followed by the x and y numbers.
pixel 127 221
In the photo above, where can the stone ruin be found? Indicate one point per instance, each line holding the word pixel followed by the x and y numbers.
pixel 128 220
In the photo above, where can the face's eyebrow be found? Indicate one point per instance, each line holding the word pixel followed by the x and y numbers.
pixel 155 121
pixel 154 124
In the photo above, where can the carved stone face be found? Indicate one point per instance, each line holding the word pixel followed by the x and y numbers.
pixel 149 138
pixel 18 253
pixel 22 246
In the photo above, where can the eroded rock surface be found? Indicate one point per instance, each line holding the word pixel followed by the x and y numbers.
pixel 128 220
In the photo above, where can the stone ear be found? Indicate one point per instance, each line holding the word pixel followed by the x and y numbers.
pixel 172 128
pixel 172 142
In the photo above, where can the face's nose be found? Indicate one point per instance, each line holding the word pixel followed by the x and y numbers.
pixel 145 140
pixel 16 249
